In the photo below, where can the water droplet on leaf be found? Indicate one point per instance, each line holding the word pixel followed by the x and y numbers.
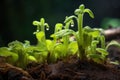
pixel 37 31
pixel 47 29
pixel 72 25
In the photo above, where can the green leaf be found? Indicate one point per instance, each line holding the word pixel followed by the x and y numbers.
pixel 26 44
pixel 58 27
pixel 64 32
pixel 87 39
pixel 49 44
pixel 69 18
pixel 93 32
pixel 73 47
pixel 89 12
pixel 15 45
pixel 32 58
pixel 59 49
pixel 35 23
pixel 94 42
pixel 93 56
pixel 13 57
pixel 82 7
pixel 77 11
pixel 102 51
pixel 40 35
pixel 113 43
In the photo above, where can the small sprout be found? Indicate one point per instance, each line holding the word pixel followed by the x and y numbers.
pixel 11 57
pixel 66 42
pixel 40 25
pixel 80 39
pixel 112 43
pixel 58 27
pixel 69 22
pixel 40 32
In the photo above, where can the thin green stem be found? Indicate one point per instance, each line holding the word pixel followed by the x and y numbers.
pixel 80 38
pixel 80 26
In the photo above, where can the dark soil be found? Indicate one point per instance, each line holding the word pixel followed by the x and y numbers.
pixel 72 70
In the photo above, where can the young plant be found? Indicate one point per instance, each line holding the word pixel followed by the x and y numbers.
pixel 40 32
pixel 115 44
pixel 80 39
pixel 61 47
pixel 41 37
pixel 54 45
pixel 18 53
pixel 9 56
pixel 66 47
pixel 89 44
pixel 87 38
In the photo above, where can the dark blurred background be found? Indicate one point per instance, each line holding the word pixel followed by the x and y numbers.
pixel 16 16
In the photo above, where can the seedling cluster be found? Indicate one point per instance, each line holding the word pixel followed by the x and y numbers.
pixel 87 44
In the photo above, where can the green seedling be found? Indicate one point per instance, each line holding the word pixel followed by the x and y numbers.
pixel 18 53
pixel 80 40
pixel 11 57
pixel 66 41
pixel 65 47
pixel 41 37
pixel 52 45
pixel 115 44
pixel 23 51
pixel 88 44
pixel 87 38
pixel 40 32
pixel 59 45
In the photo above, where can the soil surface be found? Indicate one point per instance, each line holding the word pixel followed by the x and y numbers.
pixel 72 70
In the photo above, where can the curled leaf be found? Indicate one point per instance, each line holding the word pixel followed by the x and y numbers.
pixel 113 43
pixel 64 33
pixel 69 18
pixel 89 12
pixel 77 11
pixel 58 27
pixel 36 23
pixel 82 7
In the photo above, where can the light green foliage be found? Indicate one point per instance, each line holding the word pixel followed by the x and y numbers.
pixel 88 43
pixel 79 36
pixel 113 43
pixel 40 32
pixel 18 53
pixel 11 57
pixel 87 38
pixel 61 46
pixel 24 52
